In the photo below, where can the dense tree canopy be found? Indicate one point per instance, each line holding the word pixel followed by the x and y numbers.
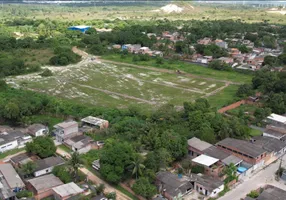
pixel 42 146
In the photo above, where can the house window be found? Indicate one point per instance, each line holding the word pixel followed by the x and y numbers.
pixel 201 188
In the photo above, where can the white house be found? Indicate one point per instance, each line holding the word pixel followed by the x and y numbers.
pixel 46 166
pixel 12 140
pixel 207 185
pixel 38 130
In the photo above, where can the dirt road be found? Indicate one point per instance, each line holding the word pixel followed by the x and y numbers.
pixel 96 180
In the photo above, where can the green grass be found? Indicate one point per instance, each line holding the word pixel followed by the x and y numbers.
pixel 187 67
pixel 65 148
pixel 121 189
pixel 224 97
pixel 11 152
pixel 120 86
pixel 255 132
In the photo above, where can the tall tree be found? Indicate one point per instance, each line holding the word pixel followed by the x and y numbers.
pixel 75 163
pixel 137 165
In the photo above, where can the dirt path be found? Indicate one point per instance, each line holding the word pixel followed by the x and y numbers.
pixel 96 180
pixel 216 91
pixel 117 94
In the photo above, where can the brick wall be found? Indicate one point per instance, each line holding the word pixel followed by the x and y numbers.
pixel 232 106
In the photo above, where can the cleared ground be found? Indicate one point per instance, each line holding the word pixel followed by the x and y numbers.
pixel 106 84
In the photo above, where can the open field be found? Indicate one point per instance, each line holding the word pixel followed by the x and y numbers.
pixel 105 84
pixel 195 69
pixel 140 12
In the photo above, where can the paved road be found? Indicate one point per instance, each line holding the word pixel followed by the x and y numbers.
pixel 265 176
pixel 96 180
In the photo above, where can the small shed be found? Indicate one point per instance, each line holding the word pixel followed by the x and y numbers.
pixel 95 122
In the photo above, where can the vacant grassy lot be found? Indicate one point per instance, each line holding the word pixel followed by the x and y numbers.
pixel 186 67
pixel 141 12
pixel 110 85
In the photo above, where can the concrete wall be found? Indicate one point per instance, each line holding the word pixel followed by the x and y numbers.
pixel 83 150
pixel 201 189
pixel 40 132
pixel 216 191
pixel 194 152
pixel 43 172
pixel 9 146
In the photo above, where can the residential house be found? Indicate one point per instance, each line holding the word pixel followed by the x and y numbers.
pixel 13 140
pixel 197 146
pixel 94 123
pixel 207 185
pixel 43 186
pixel 274 132
pixel 212 166
pixel 38 130
pixel 65 130
pixel 20 159
pixel 244 150
pixel 204 41
pixel 226 60
pixel 131 48
pixel 202 60
pixel 276 120
pixel 221 44
pixel 234 52
pixel 81 143
pixel 11 177
pixel 66 191
pixel 270 192
pixel 225 157
pixel 248 67
pixel 46 166
pixel 6 193
pixel 116 46
pixel 273 146
pixel 144 50
pixel 171 185
pixel 157 53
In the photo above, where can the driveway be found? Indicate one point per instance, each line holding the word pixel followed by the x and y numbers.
pixel 95 179
pixel 260 179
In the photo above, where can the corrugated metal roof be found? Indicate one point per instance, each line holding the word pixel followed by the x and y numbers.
pixel 68 189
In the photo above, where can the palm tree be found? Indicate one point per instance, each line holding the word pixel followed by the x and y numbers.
pixel 137 165
pixel 75 163
pixel 100 189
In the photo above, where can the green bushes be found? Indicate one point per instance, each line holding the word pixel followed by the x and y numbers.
pixel 62 173
pixel 64 56
pixel 46 73
pixel 24 193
